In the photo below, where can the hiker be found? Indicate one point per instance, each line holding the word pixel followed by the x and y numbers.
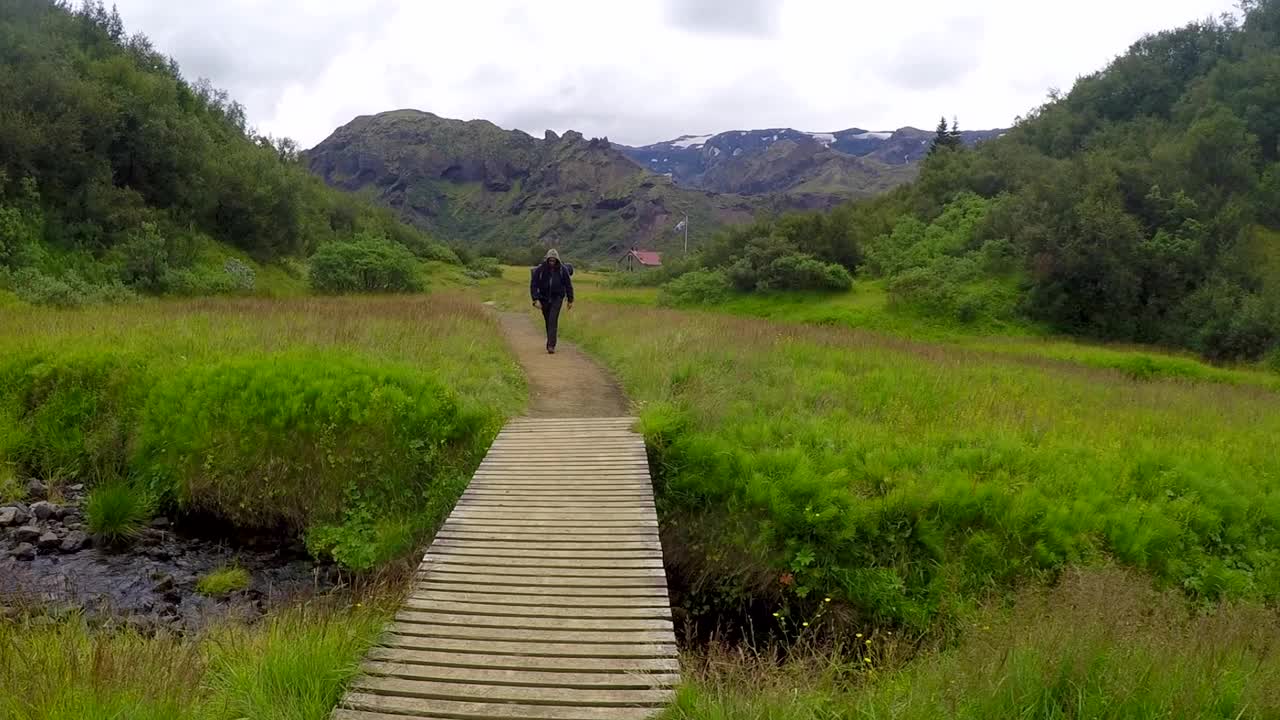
pixel 550 285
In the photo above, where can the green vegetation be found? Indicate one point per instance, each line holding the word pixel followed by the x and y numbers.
pixel 1140 207
pixel 223 581
pixel 366 264
pixel 117 511
pixel 1100 645
pixel 119 177
pixel 354 423
pixel 906 480
pixel 292 666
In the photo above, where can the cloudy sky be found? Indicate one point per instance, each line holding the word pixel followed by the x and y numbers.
pixel 642 71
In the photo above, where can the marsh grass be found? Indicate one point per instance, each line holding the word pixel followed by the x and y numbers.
pixel 347 420
pixel 1101 644
pixel 906 479
pixel 116 511
pixel 223 581
pixel 291 666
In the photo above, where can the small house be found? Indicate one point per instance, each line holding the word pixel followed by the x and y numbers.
pixel 640 259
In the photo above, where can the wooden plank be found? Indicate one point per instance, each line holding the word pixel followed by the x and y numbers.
pixel 526 663
pixel 592 637
pixel 611 524
pixel 541 611
pixel 530 622
pixel 503 513
pixel 546 503
pixel 474 692
pixel 445 546
pixel 452 593
pixel 550 565
pixel 600 531
pixel 658 590
pixel 549 537
pixel 414 707
pixel 532 649
pixel 602 583
pixel 533 571
pixel 522 678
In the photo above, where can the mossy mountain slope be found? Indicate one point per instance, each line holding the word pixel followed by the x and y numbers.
pixel 473 183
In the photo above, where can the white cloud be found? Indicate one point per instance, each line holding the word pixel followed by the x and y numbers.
pixel 646 72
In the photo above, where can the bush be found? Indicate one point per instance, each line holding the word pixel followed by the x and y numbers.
pixel 223 581
pixel 484 267
pixel 700 287
pixel 293 440
pixel 116 511
pixel 69 290
pixel 366 264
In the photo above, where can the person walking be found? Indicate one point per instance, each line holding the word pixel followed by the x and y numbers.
pixel 550 285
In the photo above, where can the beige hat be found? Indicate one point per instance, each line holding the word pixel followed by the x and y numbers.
pixel 552 254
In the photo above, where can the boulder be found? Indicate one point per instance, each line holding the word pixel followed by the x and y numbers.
pixel 43 510
pixel 36 490
pixel 48 541
pixel 25 551
pixel 12 516
pixel 27 534
pixel 160 523
pixel 74 542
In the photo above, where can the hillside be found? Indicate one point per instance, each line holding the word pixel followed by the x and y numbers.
pixel 1140 207
pixel 847 163
pixel 118 176
pixel 474 183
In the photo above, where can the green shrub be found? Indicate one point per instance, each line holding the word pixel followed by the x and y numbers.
pixel 366 264
pixel 1272 361
pixel 72 414
pixel 117 511
pixel 700 287
pixel 69 290
pixel 289 439
pixel 223 581
pixel 484 267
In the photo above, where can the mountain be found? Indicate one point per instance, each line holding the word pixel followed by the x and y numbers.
pixel 118 176
pixel 848 163
pixel 474 182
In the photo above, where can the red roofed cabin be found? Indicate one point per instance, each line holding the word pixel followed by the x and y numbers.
pixel 642 258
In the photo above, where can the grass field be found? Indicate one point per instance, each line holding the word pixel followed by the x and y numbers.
pixel 389 402
pixel 865 484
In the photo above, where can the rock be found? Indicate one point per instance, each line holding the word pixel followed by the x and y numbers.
pixel 48 541
pixel 73 526
pixel 25 551
pixel 75 541
pixel 36 490
pixel 158 552
pixel 19 515
pixel 160 523
pixel 27 534
pixel 151 536
pixel 550 136
pixel 77 488
pixel 165 584
pixel 43 510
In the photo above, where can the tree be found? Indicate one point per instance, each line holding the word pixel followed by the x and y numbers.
pixel 947 137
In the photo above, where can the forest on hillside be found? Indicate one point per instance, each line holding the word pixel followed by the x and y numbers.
pixel 1142 206
pixel 117 175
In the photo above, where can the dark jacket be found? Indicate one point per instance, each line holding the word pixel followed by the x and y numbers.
pixel 545 283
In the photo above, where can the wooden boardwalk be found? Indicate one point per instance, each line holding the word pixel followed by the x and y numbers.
pixel 543 596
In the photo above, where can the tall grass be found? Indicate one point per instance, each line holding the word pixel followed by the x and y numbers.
pixel 352 421
pixel 292 666
pixel 906 480
pixel 1102 645
pixel 116 511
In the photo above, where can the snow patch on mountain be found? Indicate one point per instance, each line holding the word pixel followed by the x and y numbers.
pixel 824 138
pixel 873 136
pixel 689 141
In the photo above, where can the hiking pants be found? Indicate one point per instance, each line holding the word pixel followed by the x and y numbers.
pixel 551 314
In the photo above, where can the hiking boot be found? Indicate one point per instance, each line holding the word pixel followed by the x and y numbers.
pixel 551 349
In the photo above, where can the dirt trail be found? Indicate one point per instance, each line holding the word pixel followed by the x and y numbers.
pixel 567 384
